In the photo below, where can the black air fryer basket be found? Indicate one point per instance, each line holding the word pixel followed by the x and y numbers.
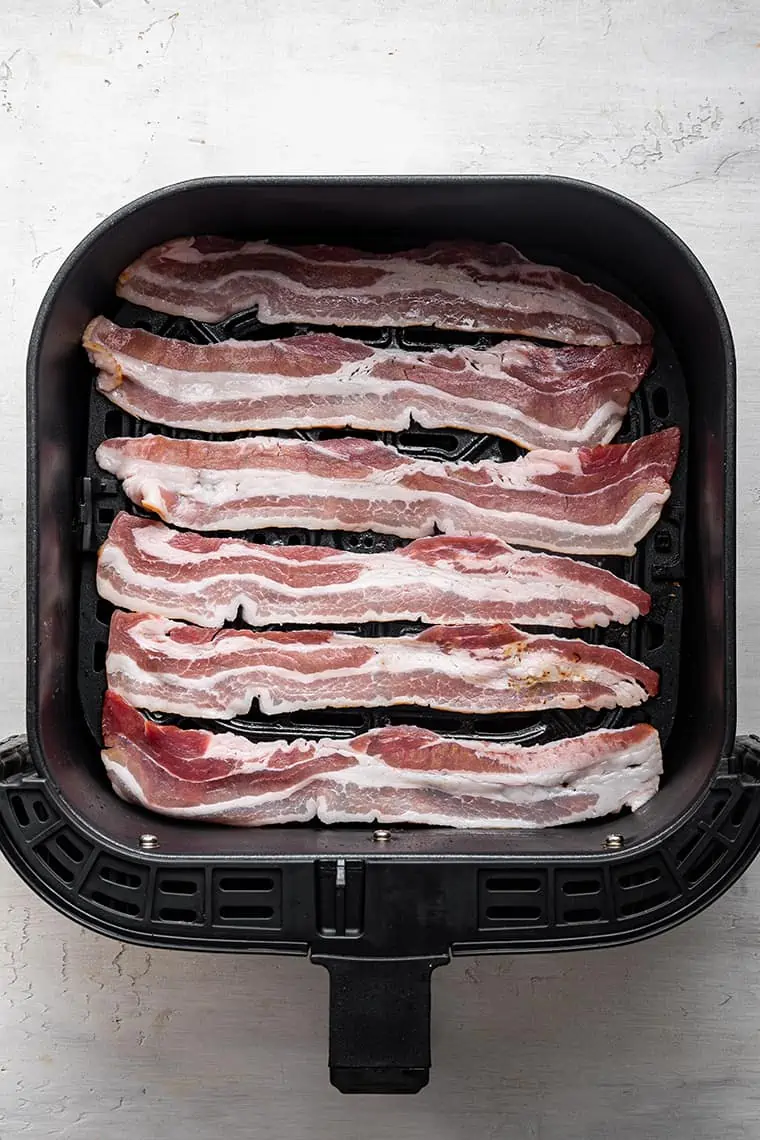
pixel 381 908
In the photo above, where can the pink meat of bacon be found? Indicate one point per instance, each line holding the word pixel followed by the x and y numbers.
pixel 390 775
pixel 147 567
pixel 598 500
pixel 166 666
pixel 465 285
pixel 537 396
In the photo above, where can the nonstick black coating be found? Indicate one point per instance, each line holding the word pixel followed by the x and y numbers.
pixel 687 563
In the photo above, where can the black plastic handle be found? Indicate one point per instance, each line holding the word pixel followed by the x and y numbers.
pixel 14 757
pixel 380 1022
pixel 745 758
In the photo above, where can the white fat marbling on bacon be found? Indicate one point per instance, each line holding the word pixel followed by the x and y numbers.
pixel 390 775
pixel 166 666
pixel 537 396
pixel 463 285
pixel 147 567
pixel 599 500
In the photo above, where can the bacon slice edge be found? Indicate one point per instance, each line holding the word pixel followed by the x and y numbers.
pixel 465 285
pixel 149 568
pixel 534 395
pixel 167 666
pixel 390 775
pixel 599 500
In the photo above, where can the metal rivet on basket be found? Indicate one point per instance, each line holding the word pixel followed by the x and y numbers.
pixel 381 835
pixel 614 842
pixel 147 841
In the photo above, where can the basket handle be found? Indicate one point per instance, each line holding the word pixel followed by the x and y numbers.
pixel 380 1022
pixel 15 757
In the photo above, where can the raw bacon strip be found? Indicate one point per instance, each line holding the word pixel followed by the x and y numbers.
pixel 536 396
pixel 598 500
pixel 145 566
pixel 465 285
pixel 169 667
pixel 391 775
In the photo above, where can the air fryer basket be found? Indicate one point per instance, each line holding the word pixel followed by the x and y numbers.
pixel 381 908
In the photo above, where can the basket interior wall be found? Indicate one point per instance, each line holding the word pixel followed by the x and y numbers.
pixel 685 562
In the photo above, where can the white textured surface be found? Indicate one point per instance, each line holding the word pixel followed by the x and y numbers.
pixel 101 101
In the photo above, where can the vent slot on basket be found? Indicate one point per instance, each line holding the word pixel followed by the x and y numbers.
pixel 582 887
pixel 32 813
pixel 120 877
pixel 50 858
pixel 706 861
pixel 104 612
pixel 717 803
pixel 732 824
pixel 245 883
pixel 176 914
pixel 643 877
pixel 642 905
pixel 113 423
pixel 113 902
pixel 660 403
pixel 513 912
pixel 18 807
pixel 118 886
pixel 41 810
pixel 512 898
pixel 515 883
pixel 439 441
pixel 247 898
pixel 180 896
pixel 581 896
pixel 643 886
pixel 689 844
pixel 178 887
pixel 64 854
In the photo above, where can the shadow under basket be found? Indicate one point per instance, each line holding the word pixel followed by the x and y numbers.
pixel 380 908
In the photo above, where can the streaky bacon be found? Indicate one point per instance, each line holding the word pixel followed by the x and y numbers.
pixel 147 567
pixel 534 395
pixel 599 500
pixel 167 666
pixel 466 285
pixel 390 775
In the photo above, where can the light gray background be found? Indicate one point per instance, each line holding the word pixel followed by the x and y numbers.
pixel 101 101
